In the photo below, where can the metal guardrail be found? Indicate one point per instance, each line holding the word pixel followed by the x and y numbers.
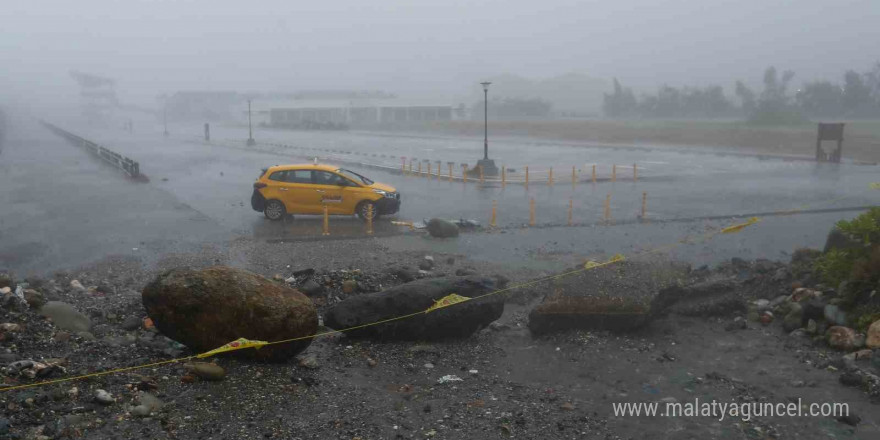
pixel 130 167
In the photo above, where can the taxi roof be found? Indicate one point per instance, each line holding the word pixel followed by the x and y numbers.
pixel 305 166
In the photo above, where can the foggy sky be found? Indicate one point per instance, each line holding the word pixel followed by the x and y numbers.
pixel 424 47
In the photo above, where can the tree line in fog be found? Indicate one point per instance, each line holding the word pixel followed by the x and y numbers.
pixel 856 96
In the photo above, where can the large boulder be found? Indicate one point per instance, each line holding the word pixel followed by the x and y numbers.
pixel 442 228
pixel 205 309
pixel 587 313
pixel 454 321
pixel 838 240
pixel 873 340
pixel 842 338
pixel 709 298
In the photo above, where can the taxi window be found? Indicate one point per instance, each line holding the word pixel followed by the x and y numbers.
pixel 299 176
pixel 328 178
pixel 278 176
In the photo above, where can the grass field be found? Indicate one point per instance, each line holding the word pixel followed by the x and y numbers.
pixel 862 138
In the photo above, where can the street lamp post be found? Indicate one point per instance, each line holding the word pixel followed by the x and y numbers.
pixel 487 165
pixel 250 142
pixel 165 117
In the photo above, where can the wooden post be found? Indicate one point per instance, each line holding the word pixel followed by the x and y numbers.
pixel 573 176
pixel 326 230
pixel 644 205
pixel 503 176
pixel 464 171
pixel 429 170
pixel 570 209
pixel 532 211
pixel 635 173
pixel 527 176
pixel 494 213
pixel 420 168
pixel 439 169
pixel 614 173
pixel 594 173
pixel 369 219
pixel 550 178
pixel 450 169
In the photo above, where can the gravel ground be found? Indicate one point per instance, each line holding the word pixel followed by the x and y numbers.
pixel 512 385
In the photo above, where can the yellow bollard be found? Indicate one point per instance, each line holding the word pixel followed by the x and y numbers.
pixel 573 176
pixel 464 171
pixel 594 173
pixel 494 213
pixel 570 209
pixel 503 176
pixel 635 173
pixel 481 173
pixel 450 170
pixel 644 205
pixel 614 173
pixel 326 222
pixel 532 211
pixel 420 169
pixel 607 213
pixel 369 219
pixel 439 169
pixel 527 176
pixel 550 178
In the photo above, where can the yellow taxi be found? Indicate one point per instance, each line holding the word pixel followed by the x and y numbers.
pixel 306 188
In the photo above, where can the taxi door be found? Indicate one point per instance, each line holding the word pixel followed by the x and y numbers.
pixel 330 190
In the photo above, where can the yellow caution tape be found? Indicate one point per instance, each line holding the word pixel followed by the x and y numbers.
pixel 590 264
pixel 238 344
pixel 447 301
pixel 739 227
pixel 875 185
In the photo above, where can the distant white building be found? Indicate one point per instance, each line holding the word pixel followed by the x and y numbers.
pixel 357 113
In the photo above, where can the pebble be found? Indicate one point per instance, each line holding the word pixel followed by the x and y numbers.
pixel 76 285
pixel 206 370
pixel 103 397
pixel 309 361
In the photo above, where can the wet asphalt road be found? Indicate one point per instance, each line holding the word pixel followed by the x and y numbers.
pixel 199 193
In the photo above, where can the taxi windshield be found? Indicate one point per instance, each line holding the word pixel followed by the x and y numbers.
pixel 354 176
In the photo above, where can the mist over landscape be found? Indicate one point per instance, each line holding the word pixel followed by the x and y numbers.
pixel 426 220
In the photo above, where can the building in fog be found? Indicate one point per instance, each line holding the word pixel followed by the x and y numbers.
pixel 368 113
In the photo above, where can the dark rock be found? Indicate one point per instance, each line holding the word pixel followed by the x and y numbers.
pixel 404 274
pixel 851 379
pixel 837 240
pixel 34 298
pixel 206 370
pixel 711 298
pixel 466 271
pixel 501 280
pixel 850 419
pixel 458 320
pixel 813 309
pixel 65 316
pixel 6 280
pixel 586 313
pixel 205 309
pixel 311 288
pixel 132 323
pixel 442 228
pixel 794 319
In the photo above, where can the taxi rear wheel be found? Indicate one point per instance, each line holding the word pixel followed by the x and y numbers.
pixel 274 210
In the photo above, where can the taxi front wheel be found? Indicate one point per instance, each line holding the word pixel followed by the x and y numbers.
pixel 363 208
pixel 274 210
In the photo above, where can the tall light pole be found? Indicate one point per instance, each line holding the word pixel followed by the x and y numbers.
pixel 487 165
pixel 165 115
pixel 485 85
pixel 250 142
